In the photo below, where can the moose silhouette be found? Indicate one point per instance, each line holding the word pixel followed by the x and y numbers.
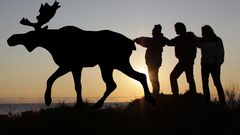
pixel 72 49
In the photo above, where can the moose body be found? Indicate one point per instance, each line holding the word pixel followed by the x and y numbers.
pixel 73 49
pixel 71 46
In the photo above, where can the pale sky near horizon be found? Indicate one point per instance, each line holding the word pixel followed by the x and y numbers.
pixel 24 74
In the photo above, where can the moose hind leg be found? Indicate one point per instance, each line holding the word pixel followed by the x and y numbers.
pixel 58 73
pixel 78 87
pixel 110 85
pixel 129 71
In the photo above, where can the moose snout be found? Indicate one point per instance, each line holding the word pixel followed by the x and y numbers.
pixel 12 41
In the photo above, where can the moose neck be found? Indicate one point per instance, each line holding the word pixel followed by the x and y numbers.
pixel 46 38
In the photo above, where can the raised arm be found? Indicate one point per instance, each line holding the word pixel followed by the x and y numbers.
pixel 143 41
pixel 172 42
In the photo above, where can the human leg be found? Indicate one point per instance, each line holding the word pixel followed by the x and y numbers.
pixel 217 82
pixel 176 72
pixel 153 76
pixel 190 78
pixel 205 75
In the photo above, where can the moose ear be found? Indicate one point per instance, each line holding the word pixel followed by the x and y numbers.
pixel 25 21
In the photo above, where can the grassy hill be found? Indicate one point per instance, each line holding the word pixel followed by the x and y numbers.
pixel 172 116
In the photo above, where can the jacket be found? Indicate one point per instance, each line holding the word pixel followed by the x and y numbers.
pixel 185 47
pixel 154 50
pixel 212 51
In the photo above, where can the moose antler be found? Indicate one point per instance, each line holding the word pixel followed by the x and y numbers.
pixel 46 13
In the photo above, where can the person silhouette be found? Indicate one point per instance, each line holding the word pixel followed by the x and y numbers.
pixel 153 55
pixel 212 51
pixel 185 51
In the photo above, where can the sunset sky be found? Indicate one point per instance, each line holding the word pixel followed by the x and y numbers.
pixel 24 74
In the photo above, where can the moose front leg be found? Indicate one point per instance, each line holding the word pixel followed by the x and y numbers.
pixel 58 73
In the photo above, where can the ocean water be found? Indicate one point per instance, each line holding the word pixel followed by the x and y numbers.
pixel 18 108
pixel 18 105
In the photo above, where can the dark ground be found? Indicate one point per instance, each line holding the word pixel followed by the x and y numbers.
pixel 172 116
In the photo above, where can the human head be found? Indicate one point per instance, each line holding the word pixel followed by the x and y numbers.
pixel 157 30
pixel 208 32
pixel 180 28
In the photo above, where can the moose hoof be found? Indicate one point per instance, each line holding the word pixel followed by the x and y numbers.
pixel 79 105
pixel 48 100
pixel 97 105
pixel 151 100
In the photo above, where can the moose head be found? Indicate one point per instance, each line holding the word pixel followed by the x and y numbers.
pixel 30 39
